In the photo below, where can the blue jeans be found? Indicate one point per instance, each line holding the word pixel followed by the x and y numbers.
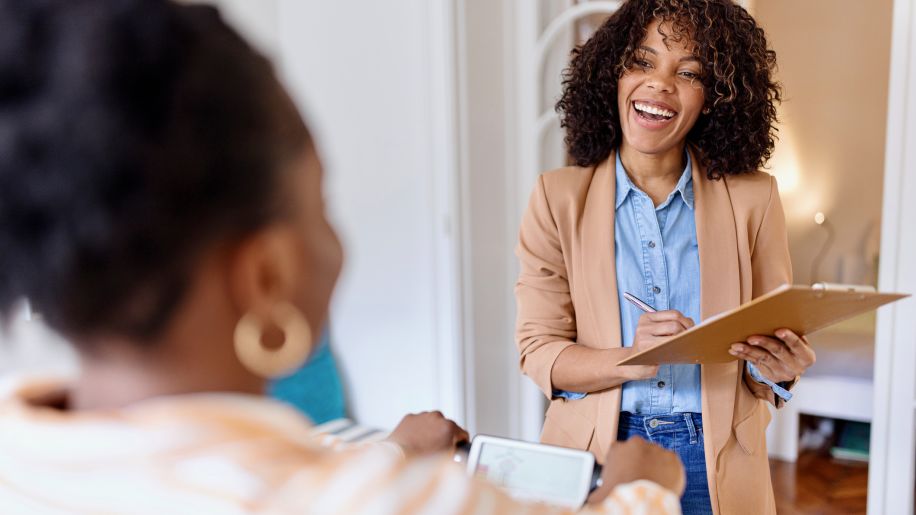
pixel 683 434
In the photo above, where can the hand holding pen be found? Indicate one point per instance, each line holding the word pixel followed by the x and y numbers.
pixel 655 326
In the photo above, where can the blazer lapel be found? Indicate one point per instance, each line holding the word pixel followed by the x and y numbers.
pixel 720 290
pixel 596 234
pixel 597 264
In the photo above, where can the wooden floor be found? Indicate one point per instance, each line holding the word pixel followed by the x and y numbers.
pixel 818 484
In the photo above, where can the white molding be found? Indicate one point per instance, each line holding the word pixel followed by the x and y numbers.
pixel 530 401
pixel 544 123
pixel 526 23
pixel 468 321
pixel 891 471
pixel 450 192
pixel 511 86
pixel 566 18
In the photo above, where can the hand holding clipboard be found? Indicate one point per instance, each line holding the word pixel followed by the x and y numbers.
pixel 802 309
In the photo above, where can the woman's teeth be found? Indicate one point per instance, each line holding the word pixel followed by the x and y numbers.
pixel 650 109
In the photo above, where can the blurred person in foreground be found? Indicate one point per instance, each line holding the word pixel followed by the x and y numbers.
pixel 161 207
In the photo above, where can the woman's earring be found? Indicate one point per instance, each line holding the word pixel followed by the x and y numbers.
pixel 706 110
pixel 290 355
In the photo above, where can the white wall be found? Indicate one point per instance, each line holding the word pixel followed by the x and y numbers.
pixel 830 153
pixel 487 76
pixel 373 78
pixel 255 19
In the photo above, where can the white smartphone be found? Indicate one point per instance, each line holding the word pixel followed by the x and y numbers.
pixel 533 471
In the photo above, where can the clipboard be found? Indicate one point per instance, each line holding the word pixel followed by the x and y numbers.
pixel 803 309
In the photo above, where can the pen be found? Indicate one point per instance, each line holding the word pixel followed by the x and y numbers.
pixel 639 303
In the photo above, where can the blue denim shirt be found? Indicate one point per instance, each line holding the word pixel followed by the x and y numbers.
pixel 657 259
pixel 656 255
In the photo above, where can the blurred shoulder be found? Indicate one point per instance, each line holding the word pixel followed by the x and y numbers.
pixel 751 185
pixel 568 178
pixel 568 187
pixel 754 196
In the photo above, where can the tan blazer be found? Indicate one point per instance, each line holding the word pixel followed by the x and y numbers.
pixel 566 295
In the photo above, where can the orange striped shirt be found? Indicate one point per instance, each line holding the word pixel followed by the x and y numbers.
pixel 227 453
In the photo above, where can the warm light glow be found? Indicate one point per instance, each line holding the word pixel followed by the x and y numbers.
pixel 787 176
pixel 819 218
pixel 802 190
pixel 784 165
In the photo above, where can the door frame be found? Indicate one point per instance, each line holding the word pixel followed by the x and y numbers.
pixel 891 471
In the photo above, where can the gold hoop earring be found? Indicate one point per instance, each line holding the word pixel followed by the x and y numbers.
pixel 270 363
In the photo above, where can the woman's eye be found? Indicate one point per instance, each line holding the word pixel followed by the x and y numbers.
pixel 690 75
pixel 642 63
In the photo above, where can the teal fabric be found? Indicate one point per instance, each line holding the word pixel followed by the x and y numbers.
pixel 315 388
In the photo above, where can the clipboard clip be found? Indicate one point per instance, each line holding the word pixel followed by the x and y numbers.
pixel 857 288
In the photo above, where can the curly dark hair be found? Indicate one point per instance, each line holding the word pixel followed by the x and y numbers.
pixel 738 133
pixel 133 135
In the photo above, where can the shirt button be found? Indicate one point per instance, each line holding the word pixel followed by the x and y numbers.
pixel 651 244
pixel 661 384
pixel 656 289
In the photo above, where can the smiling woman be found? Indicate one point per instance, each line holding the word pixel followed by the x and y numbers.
pixel 660 96
pixel 669 111
pixel 725 55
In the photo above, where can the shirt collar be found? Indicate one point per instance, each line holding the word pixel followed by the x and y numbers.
pixel 684 184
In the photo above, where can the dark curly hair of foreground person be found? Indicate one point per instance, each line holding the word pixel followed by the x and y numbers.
pixel 119 162
pixel 738 133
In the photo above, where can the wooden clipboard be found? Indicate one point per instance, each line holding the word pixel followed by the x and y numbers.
pixel 803 309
